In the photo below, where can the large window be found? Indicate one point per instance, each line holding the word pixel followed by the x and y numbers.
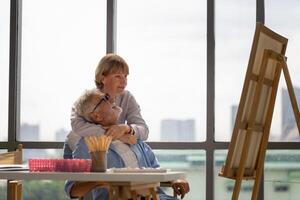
pixel 287 24
pixel 4 62
pixel 62 43
pixel 164 43
pixel 235 26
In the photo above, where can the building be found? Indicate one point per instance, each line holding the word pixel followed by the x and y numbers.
pixel 61 134
pixel 175 130
pixel 29 132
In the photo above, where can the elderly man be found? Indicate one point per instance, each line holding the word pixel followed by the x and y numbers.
pixel 124 151
pixel 103 113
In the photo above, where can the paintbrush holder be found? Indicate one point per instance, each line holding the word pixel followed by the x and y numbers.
pixel 99 161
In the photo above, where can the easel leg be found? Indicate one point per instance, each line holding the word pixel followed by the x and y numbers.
pixel 265 138
pixel 256 187
pixel 236 189
pixel 241 169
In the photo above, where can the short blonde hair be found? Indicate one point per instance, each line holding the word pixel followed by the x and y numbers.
pixel 110 63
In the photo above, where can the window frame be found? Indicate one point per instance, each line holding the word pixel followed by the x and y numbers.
pixel 209 146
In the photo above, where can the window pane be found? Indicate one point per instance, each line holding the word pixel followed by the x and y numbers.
pixel 192 162
pixel 3 185
pixel 235 26
pixel 61 46
pixel 282 174
pixel 46 190
pixel 223 187
pixel 287 24
pixel 3 189
pixel 4 69
pixel 42 154
pixel 43 189
pixel 164 43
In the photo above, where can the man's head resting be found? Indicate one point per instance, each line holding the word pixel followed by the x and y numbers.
pixel 95 106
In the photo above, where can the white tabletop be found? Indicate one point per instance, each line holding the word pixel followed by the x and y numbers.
pixel 95 176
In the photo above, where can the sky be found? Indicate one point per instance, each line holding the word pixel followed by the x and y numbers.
pixel 164 43
pixel 4 54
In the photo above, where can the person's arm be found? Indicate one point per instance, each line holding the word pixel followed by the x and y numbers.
pixel 84 128
pixel 135 120
pixel 131 115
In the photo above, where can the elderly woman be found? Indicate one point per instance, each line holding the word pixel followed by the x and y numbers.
pixel 111 78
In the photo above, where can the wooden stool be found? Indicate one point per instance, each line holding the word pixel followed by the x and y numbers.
pixel 128 190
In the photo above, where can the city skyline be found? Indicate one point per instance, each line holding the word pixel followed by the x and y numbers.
pixel 173 129
pixel 176 130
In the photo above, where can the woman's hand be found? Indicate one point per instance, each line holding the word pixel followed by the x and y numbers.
pixel 117 131
pixel 181 187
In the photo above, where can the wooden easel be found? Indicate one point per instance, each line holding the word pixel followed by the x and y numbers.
pixel 250 136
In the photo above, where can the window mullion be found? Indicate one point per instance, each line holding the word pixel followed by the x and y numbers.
pixel 14 73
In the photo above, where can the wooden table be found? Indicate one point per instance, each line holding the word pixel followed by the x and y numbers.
pixel 121 184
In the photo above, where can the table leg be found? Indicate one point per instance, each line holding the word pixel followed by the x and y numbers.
pixel 134 195
pixel 114 193
pixel 154 194
pixel 111 193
